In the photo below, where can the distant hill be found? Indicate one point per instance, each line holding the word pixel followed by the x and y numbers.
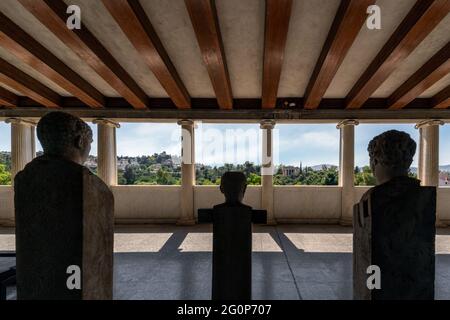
pixel 320 167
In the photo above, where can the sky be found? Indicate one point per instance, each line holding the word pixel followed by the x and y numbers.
pixel 311 144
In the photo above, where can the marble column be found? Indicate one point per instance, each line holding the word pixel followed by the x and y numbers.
pixel 187 172
pixel 107 154
pixel 23 147
pixel 347 169
pixel 428 171
pixel 33 140
pixel 267 170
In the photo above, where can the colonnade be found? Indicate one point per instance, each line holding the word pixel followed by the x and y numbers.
pixel 23 151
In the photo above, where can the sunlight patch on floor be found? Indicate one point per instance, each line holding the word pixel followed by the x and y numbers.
pixel 140 242
pixel 7 242
pixel 202 242
pixel 442 244
pixel 322 242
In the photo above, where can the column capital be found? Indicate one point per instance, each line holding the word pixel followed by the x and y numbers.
pixel 106 122
pixel 347 122
pixel 267 124
pixel 426 123
pixel 20 121
pixel 185 122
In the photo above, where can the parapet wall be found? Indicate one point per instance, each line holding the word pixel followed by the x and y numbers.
pixel 161 204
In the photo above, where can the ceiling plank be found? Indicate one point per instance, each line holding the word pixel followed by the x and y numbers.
pixel 347 23
pixel 28 86
pixel 419 22
pixel 52 13
pixel 442 98
pixel 31 52
pixel 431 72
pixel 7 98
pixel 204 20
pixel 278 13
pixel 132 19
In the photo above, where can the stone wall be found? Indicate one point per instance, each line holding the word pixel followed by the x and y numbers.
pixel 161 204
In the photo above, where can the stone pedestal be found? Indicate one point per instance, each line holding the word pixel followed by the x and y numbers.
pixel 267 170
pixel 107 154
pixel 187 172
pixel 232 253
pixel 64 222
pixel 394 229
pixel 428 170
pixel 232 249
pixel 347 169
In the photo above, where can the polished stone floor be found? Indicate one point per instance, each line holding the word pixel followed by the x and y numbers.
pixel 289 262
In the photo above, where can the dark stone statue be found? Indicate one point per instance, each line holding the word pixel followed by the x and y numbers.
pixel 64 218
pixel 394 226
pixel 232 240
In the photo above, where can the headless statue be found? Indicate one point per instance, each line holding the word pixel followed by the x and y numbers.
pixel 64 218
pixel 394 226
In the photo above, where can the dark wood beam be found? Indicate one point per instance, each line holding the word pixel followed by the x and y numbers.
pixel 206 26
pixel 441 100
pixel 52 13
pixel 419 22
pixel 28 86
pixel 240 115
pixel 349 19
pixel 284 103
pixel 278 13
pixel 431 72
pixel 31 52
pixel 7 98
pixel 131 17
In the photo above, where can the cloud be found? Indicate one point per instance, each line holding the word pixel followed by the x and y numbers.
pixel 139 139
pixel 231 144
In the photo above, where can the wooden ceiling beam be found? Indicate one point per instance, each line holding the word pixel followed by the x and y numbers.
pixel 133 21
pixel 441 100
pixel 28 86
pixel 431 72
pixel 237 115
pixel 31 52
pixel 278 13
pixel 52 13
pixel 418 24
pixel 204 20
pixel 349 19
pixel 7 98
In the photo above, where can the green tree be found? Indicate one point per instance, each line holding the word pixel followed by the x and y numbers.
pixel 365 177
pixel 5 176
pixel 253 179
pixel 130 174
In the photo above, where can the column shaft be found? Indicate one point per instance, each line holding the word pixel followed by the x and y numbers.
pixel 428 171
pixel 187 173
pixel 22 148
pixel 429 155
pixel 347 169
pixel 107 155
pixel 267 198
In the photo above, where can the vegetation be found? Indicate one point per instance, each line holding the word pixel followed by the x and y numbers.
pixel 5 168
pixel 164 169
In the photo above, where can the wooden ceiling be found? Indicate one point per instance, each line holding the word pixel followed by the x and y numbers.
pixel 227 55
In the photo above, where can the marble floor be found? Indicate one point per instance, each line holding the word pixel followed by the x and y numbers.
pixel 289 262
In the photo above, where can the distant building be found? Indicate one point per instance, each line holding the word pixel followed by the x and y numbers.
pixel 122 163
pixel 288 171
pixel 444 178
